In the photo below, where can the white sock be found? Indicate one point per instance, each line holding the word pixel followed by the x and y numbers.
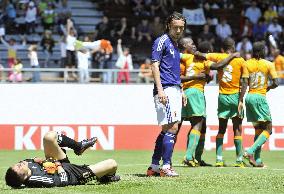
pixel 240 159
pixel 155 167
pixel 219 158
pixel 166 166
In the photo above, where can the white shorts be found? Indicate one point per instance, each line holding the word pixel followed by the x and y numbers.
pixel 172 111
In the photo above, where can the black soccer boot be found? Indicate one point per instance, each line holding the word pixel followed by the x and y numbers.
pixel 108 178
pixel 85 144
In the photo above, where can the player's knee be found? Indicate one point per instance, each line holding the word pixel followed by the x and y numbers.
pixel 172 128
pixel 112 164
pixel 50 136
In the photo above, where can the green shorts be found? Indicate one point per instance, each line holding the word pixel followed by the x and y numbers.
pixel 228 106
pixel 196 105
pixel 257 108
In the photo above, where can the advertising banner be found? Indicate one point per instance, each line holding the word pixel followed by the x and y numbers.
pixel 122 117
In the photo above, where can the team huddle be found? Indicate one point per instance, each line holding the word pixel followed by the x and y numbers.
pixel 179 95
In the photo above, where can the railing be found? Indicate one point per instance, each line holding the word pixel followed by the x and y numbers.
pixel 62 75
pixel 59 75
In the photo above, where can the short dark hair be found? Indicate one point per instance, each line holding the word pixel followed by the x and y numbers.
pixel 174 16
pixel 13 179
pixel 184 41
pixel 258 50
pixel 205 47
pixel 228 44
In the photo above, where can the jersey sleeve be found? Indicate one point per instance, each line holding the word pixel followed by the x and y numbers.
pixel 272 71
pixel 56 180
pixel 215 57
pixel 208 64
pixel 157 50
pixel 184 56
pixel 182 69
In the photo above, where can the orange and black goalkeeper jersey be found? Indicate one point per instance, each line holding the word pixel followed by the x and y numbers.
pixel 190 66
pixel 229 77
pixel 258 72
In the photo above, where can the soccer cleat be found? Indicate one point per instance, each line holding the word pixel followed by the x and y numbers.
pixel 189 163
pixel 202 163
pixel 240 164
pixel 85 144
pixel 108 178
pixel 151 172
pixel 220 164
pixel 168 172
pixel 259 165
pixel 249 158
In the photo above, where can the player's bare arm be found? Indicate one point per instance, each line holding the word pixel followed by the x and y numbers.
pixel 200 76
pixel 274 84
pixel 184 99
pixel 224 62
pixel 244 82
pixel 200 55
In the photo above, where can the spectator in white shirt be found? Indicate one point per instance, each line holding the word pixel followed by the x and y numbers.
pixel 63 55
pixel 30 18
pixel 223 30
pixel 124 63
pixel 71 37
pixel 275 29
pixel 83 57
pixel 34 62
pixel 253 12
pixel 244 46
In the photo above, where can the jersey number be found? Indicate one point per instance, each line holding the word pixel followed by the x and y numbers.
pixel 256 80
pixel 227 75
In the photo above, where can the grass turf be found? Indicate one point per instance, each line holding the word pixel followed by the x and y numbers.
pixel 133 165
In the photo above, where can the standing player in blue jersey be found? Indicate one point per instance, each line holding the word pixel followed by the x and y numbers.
pixel 168 95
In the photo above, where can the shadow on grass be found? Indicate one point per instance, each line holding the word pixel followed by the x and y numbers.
pixel 137 175
pixel 184 166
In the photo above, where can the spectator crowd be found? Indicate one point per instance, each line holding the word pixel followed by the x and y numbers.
pixel 144 21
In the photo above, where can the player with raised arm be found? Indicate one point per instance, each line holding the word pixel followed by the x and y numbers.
pixel 229 89
pixel 257 110
pixel 167 93
pixel 195 76
pixel 56 170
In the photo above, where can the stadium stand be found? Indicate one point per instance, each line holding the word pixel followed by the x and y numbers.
pixel 87 16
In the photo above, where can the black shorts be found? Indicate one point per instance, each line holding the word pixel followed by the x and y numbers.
pixel 77 174
pixel 70 59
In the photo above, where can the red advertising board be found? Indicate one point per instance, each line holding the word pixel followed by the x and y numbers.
pixel 123 137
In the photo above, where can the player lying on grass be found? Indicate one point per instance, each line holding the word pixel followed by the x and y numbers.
pixel 194 78
pixel 56 170
pixel 257 110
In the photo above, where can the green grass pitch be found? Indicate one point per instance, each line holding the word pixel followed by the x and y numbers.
pixel 133 164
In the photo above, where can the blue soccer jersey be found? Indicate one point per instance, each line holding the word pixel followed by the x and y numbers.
pixel 166 52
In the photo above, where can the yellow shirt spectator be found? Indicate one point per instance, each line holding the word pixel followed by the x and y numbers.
pixel 269 14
